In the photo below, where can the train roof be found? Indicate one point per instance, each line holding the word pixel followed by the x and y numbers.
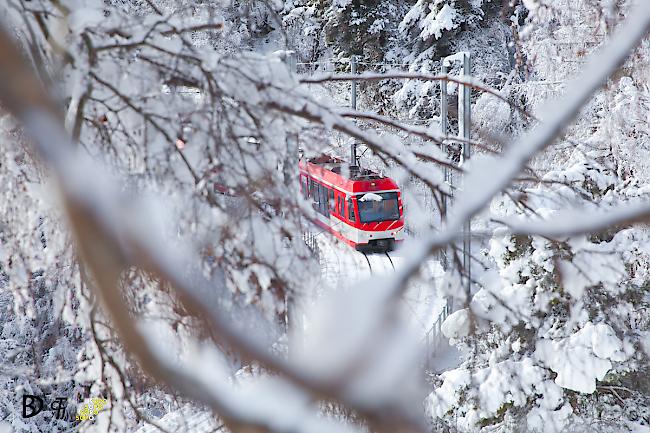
pixel 351 179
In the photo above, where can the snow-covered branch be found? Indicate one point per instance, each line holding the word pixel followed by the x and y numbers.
pixel 375 76
pixel 112 237
pixel 577 222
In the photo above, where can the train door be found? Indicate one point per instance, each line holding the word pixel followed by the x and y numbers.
pixel 351 210
pixel 324 207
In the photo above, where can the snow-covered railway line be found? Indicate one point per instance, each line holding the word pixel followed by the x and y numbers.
pixel 379 263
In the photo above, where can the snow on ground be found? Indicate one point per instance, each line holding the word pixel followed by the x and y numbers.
pixel 186 420
pixel 342 267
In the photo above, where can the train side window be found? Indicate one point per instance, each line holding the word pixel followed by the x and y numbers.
pixel 319 199
pixel 315 194
pixel 341 207
pixel 351 210
pixel 332 201
pixel 324 204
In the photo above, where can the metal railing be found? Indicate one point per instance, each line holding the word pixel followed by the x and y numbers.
pixel 434 339
pixel 310 240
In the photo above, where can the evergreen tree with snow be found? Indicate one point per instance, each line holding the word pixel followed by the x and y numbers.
pixel 365 28
pixel 433 29
pixel 556 337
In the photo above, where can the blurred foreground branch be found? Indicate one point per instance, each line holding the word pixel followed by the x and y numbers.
pixel 110 241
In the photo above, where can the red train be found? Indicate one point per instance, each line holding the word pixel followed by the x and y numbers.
pixel 360 207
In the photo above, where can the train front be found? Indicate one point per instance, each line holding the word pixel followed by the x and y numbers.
pixel 380 224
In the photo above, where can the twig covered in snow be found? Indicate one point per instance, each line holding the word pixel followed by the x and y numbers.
pixel 375 76
pixel 576 222
pixel 422 132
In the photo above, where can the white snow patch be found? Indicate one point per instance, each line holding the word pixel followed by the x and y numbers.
pixel 371 196
pixel 582 358
pixel 457 324
pixel 437 22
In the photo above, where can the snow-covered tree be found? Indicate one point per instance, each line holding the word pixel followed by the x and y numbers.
pixel 431 30
pixel 363 28
pixel 555 337
pixel 559 324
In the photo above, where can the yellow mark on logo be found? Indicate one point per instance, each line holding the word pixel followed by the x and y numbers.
pixel 89 410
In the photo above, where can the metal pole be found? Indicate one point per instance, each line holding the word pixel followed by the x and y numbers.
pixel 464 105
pixel 464 127
pixel 291 160
pixel 353 104
pixel 353 70
pixel 444 128
pixel 292 61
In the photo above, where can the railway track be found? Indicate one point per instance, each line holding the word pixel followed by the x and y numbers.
pixel 368 261
pixel 390 260
pixel 380 263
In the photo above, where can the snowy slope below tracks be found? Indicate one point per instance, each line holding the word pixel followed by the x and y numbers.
pixel 343 267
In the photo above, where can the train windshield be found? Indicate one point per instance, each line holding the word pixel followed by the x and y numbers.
pixel 375 207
